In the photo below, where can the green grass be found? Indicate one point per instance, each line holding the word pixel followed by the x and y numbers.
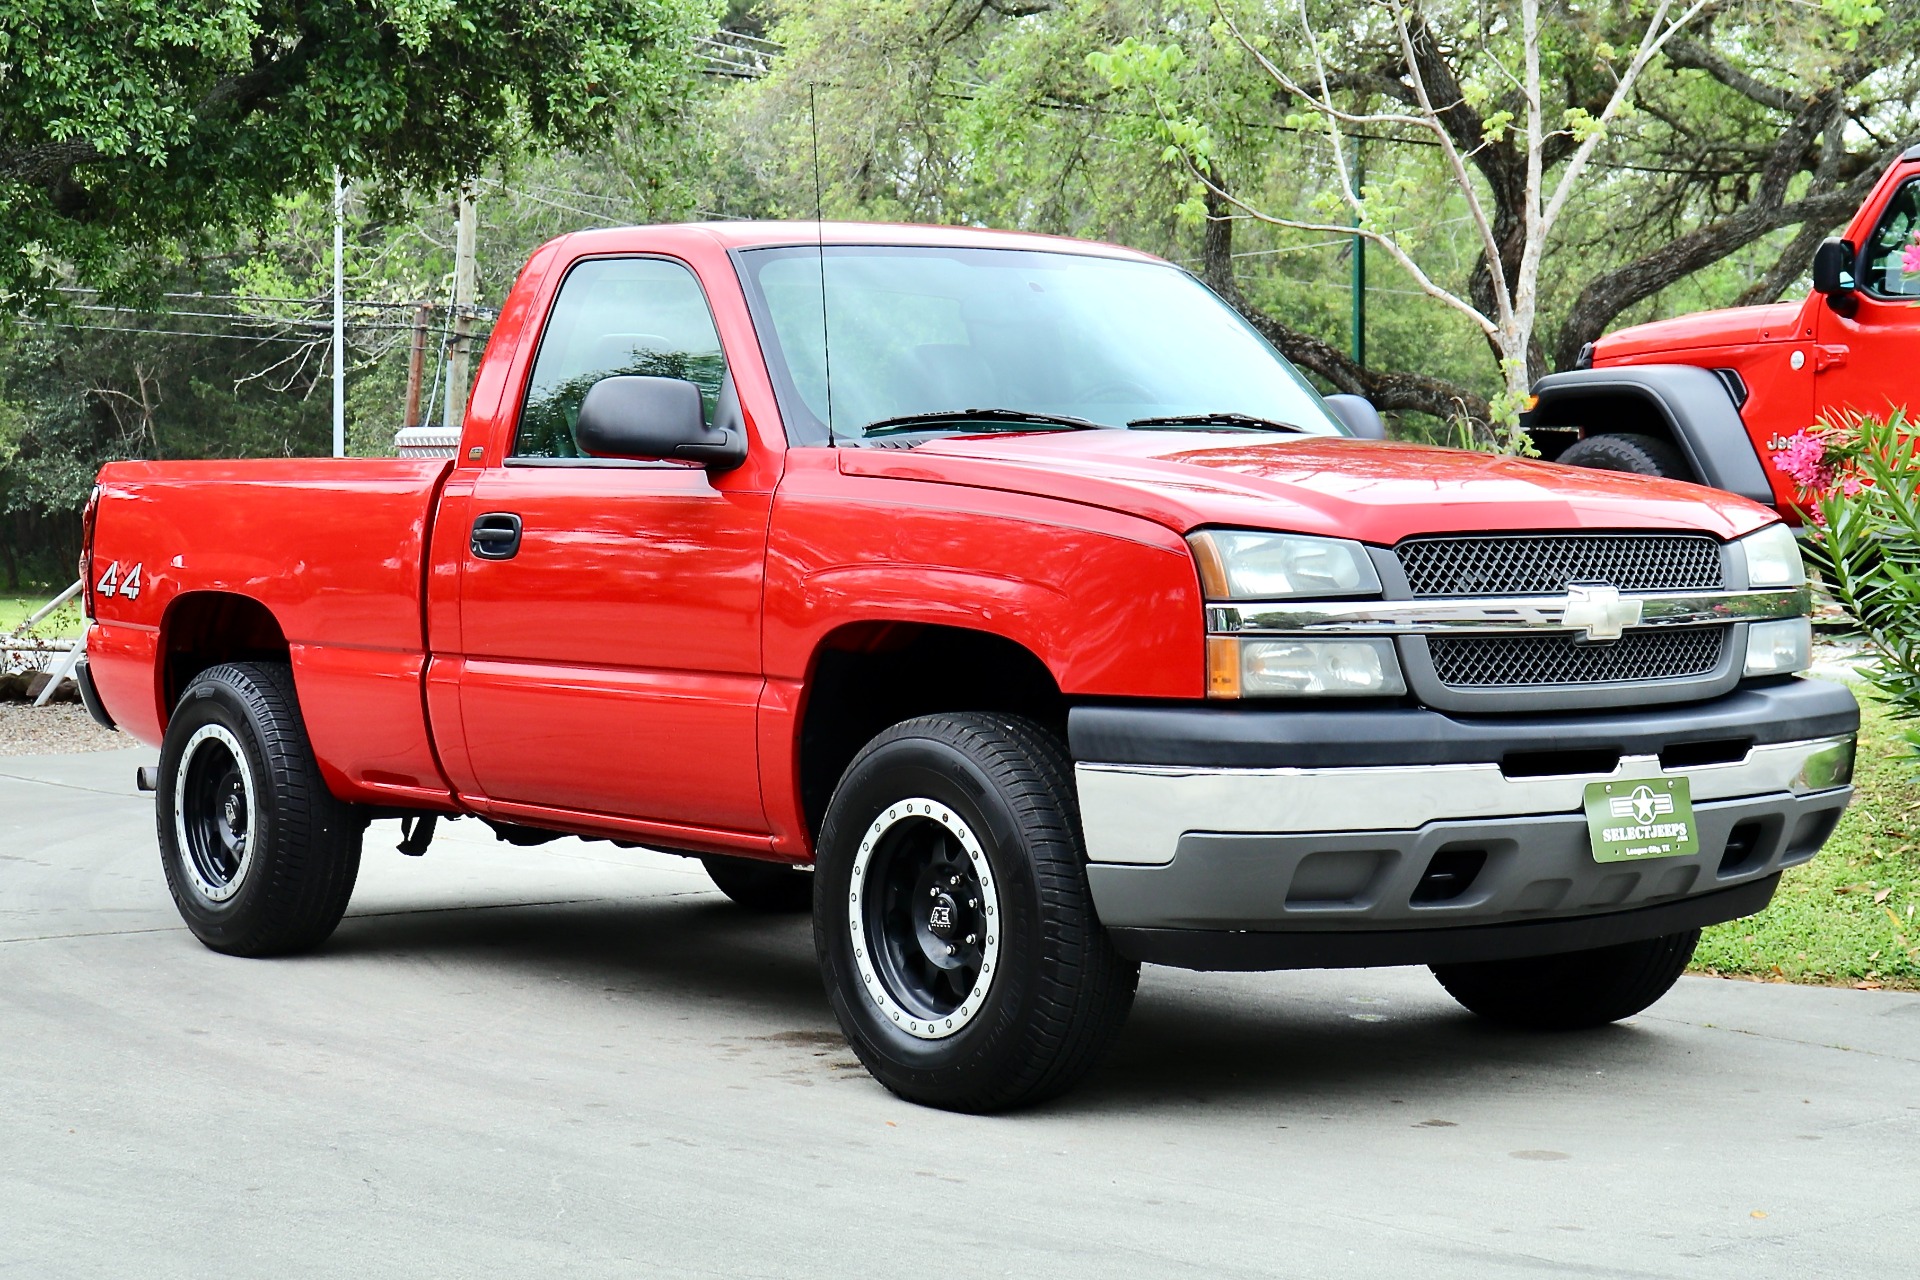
pixel 64 623
pixel 1852 915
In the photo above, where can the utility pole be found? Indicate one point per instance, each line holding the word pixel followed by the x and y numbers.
pixel 463 272
pixel 1359 268
pixel 417 364
pixel 339 317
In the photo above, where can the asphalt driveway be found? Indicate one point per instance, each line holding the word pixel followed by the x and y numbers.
pixel 576 1060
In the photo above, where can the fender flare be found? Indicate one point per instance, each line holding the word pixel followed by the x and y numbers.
pixel 1698 410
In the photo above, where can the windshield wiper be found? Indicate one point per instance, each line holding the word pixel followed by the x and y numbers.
pixel 1223 419
pixel 916 421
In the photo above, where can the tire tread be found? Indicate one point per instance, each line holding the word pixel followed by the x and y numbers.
pixel 1572 991
pixel 1083 988
pixel 316 857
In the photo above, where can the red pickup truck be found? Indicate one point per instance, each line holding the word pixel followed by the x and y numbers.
pixel 1041 622
pixel 1712 397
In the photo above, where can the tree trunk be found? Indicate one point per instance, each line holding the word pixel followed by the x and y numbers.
pixel 1402 392
pixel 6 553
pixel 1606 296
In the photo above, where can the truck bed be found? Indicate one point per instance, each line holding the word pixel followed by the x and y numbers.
pixel 334 548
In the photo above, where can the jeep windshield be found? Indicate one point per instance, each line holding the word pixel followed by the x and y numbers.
pixel 1030 340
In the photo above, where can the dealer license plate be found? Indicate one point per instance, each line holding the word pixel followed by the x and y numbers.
pixel 1641 818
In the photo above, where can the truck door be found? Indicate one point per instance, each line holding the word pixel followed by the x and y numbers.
pixel 610 610
pixel 1866 362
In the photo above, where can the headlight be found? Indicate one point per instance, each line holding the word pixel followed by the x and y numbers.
pixel 1247 668
pixel 1773 558
pixel 1238 565
pixel 1779 648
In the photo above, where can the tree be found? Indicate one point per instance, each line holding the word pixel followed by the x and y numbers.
pixel 156 130
pixel 1518 100
pixel 1147 120
pixel 1423 89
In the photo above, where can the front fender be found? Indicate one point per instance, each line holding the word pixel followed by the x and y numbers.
pixel 1693 403
pixel 1109 603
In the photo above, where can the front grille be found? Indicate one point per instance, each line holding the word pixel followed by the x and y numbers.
pixel 1547 563
pixel 1513 662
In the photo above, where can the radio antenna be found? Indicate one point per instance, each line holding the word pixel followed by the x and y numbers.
pixel 820 249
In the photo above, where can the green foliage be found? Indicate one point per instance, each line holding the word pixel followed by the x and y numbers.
pixel 1867 549
pixel 137 135
pixel 248 376
pixel 1852 915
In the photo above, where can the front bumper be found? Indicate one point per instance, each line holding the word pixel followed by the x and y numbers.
pixel 1277 839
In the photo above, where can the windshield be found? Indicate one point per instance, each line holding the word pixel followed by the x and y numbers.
pixel 1065 336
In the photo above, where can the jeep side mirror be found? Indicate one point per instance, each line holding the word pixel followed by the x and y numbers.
pixel 1833 267
pixel 654 418
pixel 1359 415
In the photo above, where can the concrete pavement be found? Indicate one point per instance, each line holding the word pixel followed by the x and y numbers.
pixel 576 1060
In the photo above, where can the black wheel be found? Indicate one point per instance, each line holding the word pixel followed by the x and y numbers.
pixel 1623 451
pixel 955 932
pixel 761 886
pixel 1575 990
pixel 260 857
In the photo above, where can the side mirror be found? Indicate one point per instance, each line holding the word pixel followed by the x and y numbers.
pixel 638 417
pixel 1359 415
pixel 1833 267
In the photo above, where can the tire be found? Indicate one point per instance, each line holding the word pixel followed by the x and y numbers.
pixel 259 856
pixel 761 886
pixel 1573 991
pixel 1623 451
pixel 1003 990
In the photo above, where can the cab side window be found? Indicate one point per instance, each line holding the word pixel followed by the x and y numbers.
pixel 1883 257
pixel 616 316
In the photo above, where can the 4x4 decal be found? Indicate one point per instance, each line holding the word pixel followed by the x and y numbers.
pixel 110 583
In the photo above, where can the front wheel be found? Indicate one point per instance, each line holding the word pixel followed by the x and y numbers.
pixel 952 920
pixel 1572 991
pixel 259 856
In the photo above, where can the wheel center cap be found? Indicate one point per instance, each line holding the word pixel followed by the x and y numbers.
pixel 943 918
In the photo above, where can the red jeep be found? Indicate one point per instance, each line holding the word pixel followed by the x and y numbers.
pixel 1042 622
pixel 1712 397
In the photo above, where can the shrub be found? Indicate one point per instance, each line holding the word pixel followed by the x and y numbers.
pixel 1860 481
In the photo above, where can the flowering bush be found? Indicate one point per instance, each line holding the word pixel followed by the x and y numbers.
pixel 1817 460
pixel 1860 482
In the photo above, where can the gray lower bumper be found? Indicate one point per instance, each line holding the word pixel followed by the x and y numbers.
pixel 1289 838
pixel 1447 874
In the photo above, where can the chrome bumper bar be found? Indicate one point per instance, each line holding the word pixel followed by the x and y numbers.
pixel 1136 814
pixel 1492 615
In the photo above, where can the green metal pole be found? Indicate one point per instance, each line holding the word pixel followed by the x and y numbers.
pixel 1359 319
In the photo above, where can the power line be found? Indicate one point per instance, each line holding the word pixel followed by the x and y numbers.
pixel 199 295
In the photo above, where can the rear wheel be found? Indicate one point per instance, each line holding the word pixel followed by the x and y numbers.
pixel 954 928
pixel 761 886
pixel 1575 990
pixel 259 856
pixel 1625 451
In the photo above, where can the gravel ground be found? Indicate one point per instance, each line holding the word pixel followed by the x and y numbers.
pixel 55 729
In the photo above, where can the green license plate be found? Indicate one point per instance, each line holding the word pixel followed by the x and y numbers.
pixel 1641 818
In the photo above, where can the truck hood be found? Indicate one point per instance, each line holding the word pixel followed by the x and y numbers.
pixel 1730 326
pixel 1375 491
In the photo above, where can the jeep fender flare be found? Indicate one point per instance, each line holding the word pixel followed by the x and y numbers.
pixel 1692 404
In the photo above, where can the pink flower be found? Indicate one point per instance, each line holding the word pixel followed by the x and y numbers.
pixel 1852 485
pixel 1910 259
pixel 1805 459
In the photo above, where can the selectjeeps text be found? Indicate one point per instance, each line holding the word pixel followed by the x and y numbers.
pixel 1009 601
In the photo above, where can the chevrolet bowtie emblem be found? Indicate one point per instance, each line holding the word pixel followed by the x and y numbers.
pixel 1598 612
